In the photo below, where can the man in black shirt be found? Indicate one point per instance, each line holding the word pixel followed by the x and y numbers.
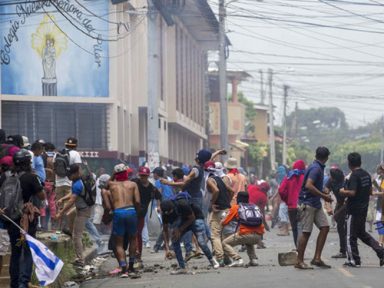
pixel 21 263
pixel 358 189
pixel 182 217
pixel 148 192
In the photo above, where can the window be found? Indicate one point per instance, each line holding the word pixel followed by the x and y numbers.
pixel 55 122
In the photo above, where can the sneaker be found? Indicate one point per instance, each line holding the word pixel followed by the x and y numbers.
pixel 222 262
pixel 382 261
pixel 179 272
pixel 214 263
pixel 353 265
pixel 148 245
pixel 115 272
pixel 253 263
pixel 339 256
pixel 237 263
pixel 227 260
pixel 124 275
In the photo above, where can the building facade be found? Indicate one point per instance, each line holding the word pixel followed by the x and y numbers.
pixel 91 70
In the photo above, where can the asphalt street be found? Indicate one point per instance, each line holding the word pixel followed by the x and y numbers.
pixel 268 274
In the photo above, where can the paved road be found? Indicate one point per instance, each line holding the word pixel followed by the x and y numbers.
pixel 268 274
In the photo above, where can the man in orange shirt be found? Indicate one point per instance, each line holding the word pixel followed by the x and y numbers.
pixel 239 181
pixel 246 235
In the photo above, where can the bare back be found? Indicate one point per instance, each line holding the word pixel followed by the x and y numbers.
pixel 123 194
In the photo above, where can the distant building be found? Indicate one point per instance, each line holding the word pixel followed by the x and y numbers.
pixel 236 114
pixel 260 123
pixel 98 89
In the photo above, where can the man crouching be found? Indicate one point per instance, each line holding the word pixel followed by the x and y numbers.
pixel 122 196
pixel 183 216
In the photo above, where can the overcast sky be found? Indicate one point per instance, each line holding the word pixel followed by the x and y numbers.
pixel 330 52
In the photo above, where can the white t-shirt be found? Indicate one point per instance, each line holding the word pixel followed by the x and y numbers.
pixel 74 158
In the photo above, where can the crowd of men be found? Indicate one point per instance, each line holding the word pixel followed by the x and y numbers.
pixel 211 207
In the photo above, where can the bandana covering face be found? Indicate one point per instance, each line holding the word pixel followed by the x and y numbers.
pixel 122 176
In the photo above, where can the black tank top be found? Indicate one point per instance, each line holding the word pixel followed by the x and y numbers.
pixel 223 201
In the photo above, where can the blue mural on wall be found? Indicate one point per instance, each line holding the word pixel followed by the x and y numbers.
pixel 55 48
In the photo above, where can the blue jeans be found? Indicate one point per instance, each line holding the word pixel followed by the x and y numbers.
pixel 199 203
pixel 92 230
pixel 21 263
pixel 198 228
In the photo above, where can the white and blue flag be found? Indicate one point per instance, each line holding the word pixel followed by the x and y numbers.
pixel 48 265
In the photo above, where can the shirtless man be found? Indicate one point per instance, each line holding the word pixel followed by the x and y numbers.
pixel 123 198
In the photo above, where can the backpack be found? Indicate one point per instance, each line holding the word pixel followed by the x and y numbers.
pixel 89 183
pixel 180 196
pixel 89 192
pixel 11 196
pixel 250 215
pixel 61 164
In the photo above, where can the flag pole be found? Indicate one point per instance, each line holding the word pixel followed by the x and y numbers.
pixel 14 223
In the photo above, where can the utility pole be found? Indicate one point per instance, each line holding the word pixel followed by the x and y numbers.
pixel 262 94
pixel 271 126
pixel 223 78
pixel 153 80
pixel 286 88
pixel 295 123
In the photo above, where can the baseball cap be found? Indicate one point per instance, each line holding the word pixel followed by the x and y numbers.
pixel 26 142
pixel 144 171
pixel 71 141
pixel 209 165
pixel 120 168
pixel 203 156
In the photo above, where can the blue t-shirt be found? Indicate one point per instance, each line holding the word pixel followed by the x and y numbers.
pixel 166 191
pixel 315 172
pixel 38 167
pixel 77 189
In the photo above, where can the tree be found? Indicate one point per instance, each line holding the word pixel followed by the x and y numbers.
pixel 250 112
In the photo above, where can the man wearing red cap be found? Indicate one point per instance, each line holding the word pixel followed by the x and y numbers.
pixel 148 192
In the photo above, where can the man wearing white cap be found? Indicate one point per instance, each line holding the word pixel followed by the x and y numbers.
pixel 124 199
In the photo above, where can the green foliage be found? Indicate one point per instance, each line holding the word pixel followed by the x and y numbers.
pixel 327 127
pixel 250 112
pixel 257 152
pixel 368 148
